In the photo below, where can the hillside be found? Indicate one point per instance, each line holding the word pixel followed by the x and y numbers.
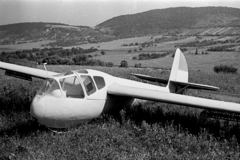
pixel 174 20
pixel 203 21
pixel 63 34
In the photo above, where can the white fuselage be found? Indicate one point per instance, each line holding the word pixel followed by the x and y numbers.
pixel 53 108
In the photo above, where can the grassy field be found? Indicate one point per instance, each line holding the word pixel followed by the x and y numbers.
pixel 24 46
pixel 146 130
pixel 115 53
pixel 116 44
pixel 195 62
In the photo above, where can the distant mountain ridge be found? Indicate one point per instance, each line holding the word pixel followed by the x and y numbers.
pixel 170 21
pixel 63 34
pixel 162 20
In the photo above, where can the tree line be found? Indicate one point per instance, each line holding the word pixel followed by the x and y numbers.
pixel 226 48
pixel 56 56
pixel 147 56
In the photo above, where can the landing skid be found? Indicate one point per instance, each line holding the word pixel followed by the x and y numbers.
pixel 59 130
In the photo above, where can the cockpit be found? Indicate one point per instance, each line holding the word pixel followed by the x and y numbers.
pixel 73 84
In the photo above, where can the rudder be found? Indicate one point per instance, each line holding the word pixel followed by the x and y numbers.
pixel 179 71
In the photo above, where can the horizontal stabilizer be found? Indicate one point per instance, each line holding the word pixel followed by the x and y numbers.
pixel 195 86
pixel 177 83
pixel 149 78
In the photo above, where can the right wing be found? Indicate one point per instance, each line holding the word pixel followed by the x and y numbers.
pixel 25 72
pixel 154 95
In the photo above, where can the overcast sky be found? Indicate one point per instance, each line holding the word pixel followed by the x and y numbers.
pixel 89 12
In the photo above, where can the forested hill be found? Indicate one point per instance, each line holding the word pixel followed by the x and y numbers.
pixel 33 28
pixel 63 34
pixel 170 21
pixel 162 20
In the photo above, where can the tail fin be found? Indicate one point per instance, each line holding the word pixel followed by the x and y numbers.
pixel 179 71
pixel 178 80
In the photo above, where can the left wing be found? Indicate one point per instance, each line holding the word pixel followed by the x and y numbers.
pixel 154 95
pixel 25 72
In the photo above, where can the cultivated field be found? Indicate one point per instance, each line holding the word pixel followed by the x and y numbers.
pixel 115 52
pixel 115 44
pixel 195 62
pixel 24 46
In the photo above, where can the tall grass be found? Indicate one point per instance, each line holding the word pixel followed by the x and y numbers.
pixel 146 130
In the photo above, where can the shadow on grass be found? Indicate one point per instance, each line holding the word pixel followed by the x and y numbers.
pixel 22 128
pixel 181 117
pixel 17 127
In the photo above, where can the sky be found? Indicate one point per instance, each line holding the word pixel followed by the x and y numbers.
pixel 89 12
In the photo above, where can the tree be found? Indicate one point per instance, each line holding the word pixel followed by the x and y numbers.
pixel 103 53
pixel 123 64
pixel 225 69
pixel 134 58
pixel 79 59
pixel 109 64
pixel 196 51
pixel 139 65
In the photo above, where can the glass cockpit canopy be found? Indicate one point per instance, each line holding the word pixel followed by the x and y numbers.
pixel 70 85
pixel 50 87
pixel 63 87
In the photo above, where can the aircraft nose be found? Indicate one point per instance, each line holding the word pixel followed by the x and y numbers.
pixel 38 107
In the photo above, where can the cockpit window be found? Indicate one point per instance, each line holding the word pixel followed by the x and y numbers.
pixel 82 71
pixel 99 82
pixel 72 87
pixel 50 87
pixel 88 84
pixel 68 73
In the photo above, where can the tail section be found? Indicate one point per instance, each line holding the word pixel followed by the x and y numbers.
pixel 179 71
pixel 178 80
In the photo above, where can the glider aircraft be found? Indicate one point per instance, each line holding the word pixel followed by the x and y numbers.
pixel 67 99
